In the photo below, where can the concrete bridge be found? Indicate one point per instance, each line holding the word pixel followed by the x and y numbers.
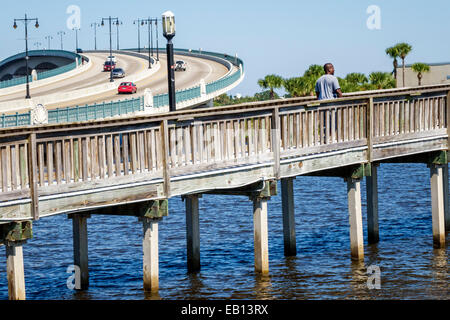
pixel 132 166
pixel 208 75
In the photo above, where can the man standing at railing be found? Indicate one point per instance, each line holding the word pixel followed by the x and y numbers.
pixel 327 87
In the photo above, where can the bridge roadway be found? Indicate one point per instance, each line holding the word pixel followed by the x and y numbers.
pixel 197 69
pixel 132 166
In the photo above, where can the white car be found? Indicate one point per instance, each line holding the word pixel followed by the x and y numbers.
pixel 111 58
pixel 180 65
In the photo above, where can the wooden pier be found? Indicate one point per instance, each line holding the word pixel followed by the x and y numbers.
pixel 132 166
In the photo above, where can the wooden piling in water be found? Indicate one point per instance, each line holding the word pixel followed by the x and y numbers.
pixel 151 255
pixel 437 204
pixel 287 198
pixel 260 234
pixel 192 233
pixel 372 205
pixel 355 218
pixel 80 250
pixel 15 270
pixel 446 208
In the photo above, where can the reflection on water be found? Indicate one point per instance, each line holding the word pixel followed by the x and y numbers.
pixel 409 266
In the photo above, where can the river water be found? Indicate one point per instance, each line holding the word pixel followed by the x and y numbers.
pixel 409 266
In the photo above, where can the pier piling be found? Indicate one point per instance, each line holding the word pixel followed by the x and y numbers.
pixel 151 258
pixel 287 198
pixel 260 233
pixel 192 233
pixel 355 218
pixel 80 249
pixel 437 204
pixel 15 270
pixel 372 205
pixel 446 208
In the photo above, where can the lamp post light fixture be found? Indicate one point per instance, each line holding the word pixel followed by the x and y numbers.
pixel 48 38
pixel 118 23
pixel 168 22
pixel 111 21
pixel 76 38
pixel 61 33
pixel 95 25
pixel 37 45
pixel 26 21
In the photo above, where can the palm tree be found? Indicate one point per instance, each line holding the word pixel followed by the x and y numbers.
pixel 293 86
pixel 394 53
pixel 420 68
pixel 381 80
pixel 356 78
pixel 271 82
pixel 314 71
pixel 403 50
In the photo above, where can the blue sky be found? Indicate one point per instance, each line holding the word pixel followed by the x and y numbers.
pixel 282 37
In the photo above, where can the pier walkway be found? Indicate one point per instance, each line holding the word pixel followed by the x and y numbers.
pixel 132 166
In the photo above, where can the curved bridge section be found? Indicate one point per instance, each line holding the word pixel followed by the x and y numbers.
pixel 196 87
pixel 45 63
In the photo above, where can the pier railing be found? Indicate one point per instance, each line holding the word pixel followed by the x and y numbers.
pixel 60 168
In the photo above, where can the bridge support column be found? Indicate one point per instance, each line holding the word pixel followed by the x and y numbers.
pixel 260 235
pixel 14 236
pixel 437 204
pixel 355 218
pixel 446 207
pixel 372 205
pixel 287 198
pixel 193 233
pixel 151 254
pixel 151 214
pixel 15 270
pixel 80 250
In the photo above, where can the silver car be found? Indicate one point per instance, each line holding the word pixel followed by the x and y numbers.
pixel 118 73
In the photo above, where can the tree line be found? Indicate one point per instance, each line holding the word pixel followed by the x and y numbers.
pixel 304 85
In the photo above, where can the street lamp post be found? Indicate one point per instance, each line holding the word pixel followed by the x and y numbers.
pixel 95 25
pixel 25 21
pixel 117 23
pixel 76 38
pixel 48 38
pixel 168 22
pixel 61 33
pixel 139 24
pixel 157 46
pixel 110 20
pixel 149 22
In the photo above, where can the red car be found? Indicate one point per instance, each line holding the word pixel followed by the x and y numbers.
pixel 109 65
pixel 127 87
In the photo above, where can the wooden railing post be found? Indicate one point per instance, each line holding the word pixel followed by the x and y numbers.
pixel 447 109
pixel 276 141
pixel 32 170
pixel 165 156
pixel 370 125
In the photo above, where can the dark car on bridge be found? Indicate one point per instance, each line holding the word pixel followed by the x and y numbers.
pixel 127 87
pixel 180 65
pixel 109 65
